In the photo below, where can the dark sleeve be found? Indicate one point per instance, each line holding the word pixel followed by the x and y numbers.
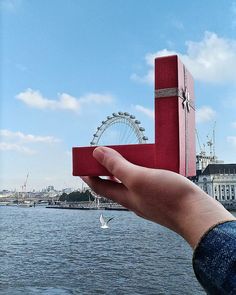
pixel 214 259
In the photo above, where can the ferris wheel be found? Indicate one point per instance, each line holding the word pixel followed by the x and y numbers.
pixel 119 128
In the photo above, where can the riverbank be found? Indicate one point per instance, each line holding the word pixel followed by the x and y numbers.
pixel 88 206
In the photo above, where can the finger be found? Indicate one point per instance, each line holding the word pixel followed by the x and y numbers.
pixel 109 189
pixel 113 178
pixel 118 166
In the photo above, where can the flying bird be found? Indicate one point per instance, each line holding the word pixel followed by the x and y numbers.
pixel 104 221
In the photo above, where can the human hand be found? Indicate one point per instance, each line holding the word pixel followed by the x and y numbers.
pixel 158 195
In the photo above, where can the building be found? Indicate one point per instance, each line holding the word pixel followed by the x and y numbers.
pixel 217 180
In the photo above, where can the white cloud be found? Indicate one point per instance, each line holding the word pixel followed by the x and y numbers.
pixel 213 59
pixel 146 111
pixel 6 146
pixel 205 114
pixel 20 142
pixel 234 124
pixel 147 79
pixel 232 140
pixel 35 99
pixel 66 102
pixel 26 137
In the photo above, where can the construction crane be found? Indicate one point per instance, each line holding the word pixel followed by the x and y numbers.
pixel 203 159
pixel 214 140
pixel 24 185
pixel 211 142
pixel 202 150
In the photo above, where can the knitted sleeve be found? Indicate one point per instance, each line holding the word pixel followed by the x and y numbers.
pixel 214 259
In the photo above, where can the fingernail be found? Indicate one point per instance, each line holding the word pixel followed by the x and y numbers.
pixel 99 154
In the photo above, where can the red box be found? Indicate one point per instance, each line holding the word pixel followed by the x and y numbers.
pixel 84 164
pixel 174 147
pixel 174 116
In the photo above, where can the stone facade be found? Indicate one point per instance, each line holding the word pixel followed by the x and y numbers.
pixel 221 187
pixel 219 181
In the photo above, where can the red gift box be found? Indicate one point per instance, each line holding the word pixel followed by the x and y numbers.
pixel 174 147
pixel 84 164
pixel 174 116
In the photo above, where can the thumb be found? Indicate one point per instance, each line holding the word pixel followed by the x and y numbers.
pixel 115 163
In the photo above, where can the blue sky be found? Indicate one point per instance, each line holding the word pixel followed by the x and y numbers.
pixel 66 65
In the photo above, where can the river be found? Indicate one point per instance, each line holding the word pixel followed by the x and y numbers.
pixel 53 251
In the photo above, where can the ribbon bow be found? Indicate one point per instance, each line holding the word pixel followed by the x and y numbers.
pixel 186 99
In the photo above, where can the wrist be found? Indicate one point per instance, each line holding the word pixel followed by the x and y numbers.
pixel 199 213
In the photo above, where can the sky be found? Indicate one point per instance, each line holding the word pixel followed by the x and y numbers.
pixel 67 65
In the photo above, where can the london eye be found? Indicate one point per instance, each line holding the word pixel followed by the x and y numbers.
pixel 118 129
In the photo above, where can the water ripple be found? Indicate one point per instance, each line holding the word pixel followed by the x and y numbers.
pixel 45 251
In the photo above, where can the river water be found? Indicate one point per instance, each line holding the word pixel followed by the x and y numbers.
pixel 53 251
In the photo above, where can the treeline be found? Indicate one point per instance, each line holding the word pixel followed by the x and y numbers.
pixel 77 197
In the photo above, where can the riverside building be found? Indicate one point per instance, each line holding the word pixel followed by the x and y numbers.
pixel 217 179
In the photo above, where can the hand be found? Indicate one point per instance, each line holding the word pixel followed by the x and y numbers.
pixel 158 195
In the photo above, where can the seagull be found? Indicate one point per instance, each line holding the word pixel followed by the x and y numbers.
pixel 104 222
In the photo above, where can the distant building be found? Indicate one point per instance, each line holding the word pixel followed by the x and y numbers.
pixel 50 188
pixel 217 180
pixel 6 193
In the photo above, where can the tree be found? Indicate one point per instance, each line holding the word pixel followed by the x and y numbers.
pixel 77 196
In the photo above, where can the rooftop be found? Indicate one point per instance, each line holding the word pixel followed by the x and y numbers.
pixel 220 169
